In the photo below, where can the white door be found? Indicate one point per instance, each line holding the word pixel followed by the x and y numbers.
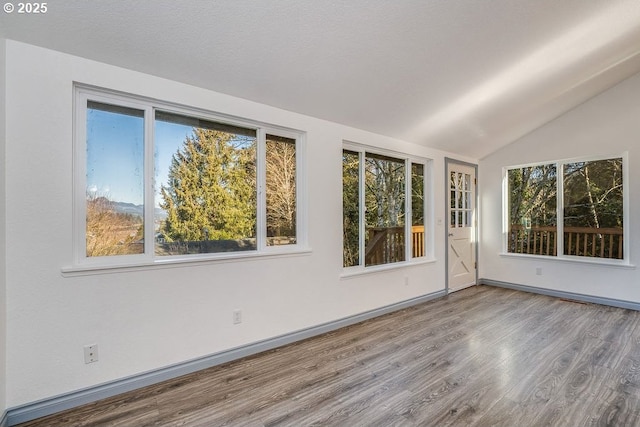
pixel 461 238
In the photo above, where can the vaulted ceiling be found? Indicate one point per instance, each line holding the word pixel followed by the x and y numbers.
pixel 465 76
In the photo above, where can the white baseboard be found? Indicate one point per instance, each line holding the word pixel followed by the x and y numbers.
pixel 52 405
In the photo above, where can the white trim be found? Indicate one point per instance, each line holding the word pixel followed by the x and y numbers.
pixel 63 402
pixel 606 262
pixel 349 272
pixel 185 261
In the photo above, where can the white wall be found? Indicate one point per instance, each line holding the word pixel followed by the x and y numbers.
pixel 3 284
pixel 150 319
pixel 606 125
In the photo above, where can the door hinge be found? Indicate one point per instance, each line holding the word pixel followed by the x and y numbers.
pixel 475 265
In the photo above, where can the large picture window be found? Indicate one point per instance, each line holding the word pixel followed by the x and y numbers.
pixel 383 208
pixel 156 181
pixel 572 209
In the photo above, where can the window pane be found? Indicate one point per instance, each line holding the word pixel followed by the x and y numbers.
pixel 205 194
pixel 532 210
pixel 281 190
pixel 385 210
pixel 417 210
pixel 593 209
pixel 115 180
pixel 350 208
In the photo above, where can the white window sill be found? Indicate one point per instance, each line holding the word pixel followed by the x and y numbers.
pixel 360 271
pixel 181 261
pixel 600 262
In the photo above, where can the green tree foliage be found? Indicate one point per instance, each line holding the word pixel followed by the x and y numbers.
pixel 384 191
pixel 417 194
pixel 532 195
pixel 592 199
pixel 593 194
pixel 350 208
pixel 211 191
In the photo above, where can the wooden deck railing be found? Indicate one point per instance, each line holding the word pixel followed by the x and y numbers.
pixel 580 241
pixel 417 241
pixel 386 244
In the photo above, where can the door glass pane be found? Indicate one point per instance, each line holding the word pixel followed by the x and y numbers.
pixel 115 180
pixel 281 190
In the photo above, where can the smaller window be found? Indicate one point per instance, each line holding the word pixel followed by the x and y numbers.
pixel 281 190
pixel 114 180
pixel 593 209
pixel 533 210
pixel 383 217
pixel 417 211
pixel 350 208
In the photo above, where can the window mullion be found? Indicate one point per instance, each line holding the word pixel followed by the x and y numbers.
pixel 149 183
pixel 560 210
pixel 361 207
pixel 261 197
pixel 408 211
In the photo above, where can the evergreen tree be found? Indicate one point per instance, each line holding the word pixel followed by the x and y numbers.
pixel 211 188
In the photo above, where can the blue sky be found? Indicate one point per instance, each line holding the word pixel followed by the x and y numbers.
pixel 115 154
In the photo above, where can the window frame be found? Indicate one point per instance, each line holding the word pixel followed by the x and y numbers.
pixel 362 150
pixel 81 262
pixel 560 255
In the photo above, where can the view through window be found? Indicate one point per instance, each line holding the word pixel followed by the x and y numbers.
pixel 204 179
pixel 376 227
pixel 591 199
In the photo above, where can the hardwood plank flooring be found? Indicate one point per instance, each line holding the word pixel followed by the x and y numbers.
pixel 483 356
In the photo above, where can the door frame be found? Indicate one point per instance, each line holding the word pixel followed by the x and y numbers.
pixel 448 161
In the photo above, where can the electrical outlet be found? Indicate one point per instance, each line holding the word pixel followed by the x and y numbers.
pixel 91 353
pixel 237 317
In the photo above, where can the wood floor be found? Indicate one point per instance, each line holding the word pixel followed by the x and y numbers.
pixel 483 356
